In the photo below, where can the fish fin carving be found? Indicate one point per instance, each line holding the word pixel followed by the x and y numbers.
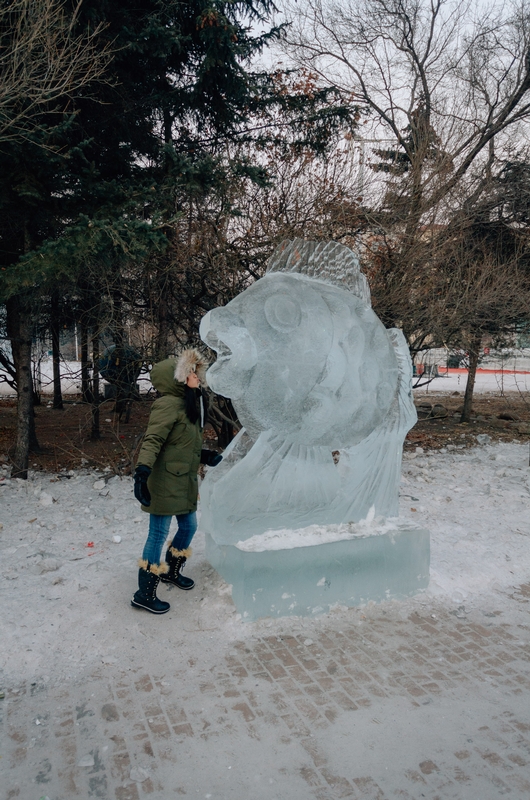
pixel 329 262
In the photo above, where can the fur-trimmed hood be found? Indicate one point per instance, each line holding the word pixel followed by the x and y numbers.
pixel 169 376
pixel 191 360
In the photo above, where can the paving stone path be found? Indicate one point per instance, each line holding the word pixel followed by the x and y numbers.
pixel 436 705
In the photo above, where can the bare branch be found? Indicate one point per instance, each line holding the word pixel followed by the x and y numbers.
pixel 43 62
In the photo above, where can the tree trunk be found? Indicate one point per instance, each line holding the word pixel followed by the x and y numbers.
pixel 85 380
pixel 34 446
pixel 19 329
pixel 56 353
pixel 118 329
pixel 162 341
pixel 95 433
pixel 474 355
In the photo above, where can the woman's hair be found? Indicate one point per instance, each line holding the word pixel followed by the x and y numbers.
pixel 192 404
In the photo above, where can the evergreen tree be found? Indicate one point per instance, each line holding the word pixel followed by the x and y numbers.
pixel 99 183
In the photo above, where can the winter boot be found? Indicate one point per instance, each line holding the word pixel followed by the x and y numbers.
pixel 148 580
pixel 175 560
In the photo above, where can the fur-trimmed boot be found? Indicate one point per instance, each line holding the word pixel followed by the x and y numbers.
pixel 175 560
pixel 148 579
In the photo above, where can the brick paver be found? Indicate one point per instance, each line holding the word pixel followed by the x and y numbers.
pixel 432 706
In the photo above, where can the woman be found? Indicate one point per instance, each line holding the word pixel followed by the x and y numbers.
pixel 165 479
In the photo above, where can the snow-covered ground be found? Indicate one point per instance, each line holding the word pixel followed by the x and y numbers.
pixel 476 504
pixel 495 382
pixel 69 546
pixel 509 375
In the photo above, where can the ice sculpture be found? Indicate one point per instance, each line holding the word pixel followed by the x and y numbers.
pixel 324 393
pixel 311 371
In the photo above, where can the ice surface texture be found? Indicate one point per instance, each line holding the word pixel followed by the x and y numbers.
pixel 311 580
pixel 310 370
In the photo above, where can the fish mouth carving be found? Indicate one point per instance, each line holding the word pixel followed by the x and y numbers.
pixel 224 353
pixel 234 344
pixel 229 337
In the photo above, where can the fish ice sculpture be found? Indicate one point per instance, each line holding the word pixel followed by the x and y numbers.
pixel 322 389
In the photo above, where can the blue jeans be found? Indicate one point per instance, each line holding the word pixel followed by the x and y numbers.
pixel 158 533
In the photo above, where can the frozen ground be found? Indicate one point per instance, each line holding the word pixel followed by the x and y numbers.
pixel 69 546
pixel 426 698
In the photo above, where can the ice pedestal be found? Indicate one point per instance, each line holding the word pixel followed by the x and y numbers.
pixel 311 579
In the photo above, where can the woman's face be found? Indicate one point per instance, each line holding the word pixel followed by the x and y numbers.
pixel 193 381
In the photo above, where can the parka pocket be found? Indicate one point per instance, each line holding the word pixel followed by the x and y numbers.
pixel 177 467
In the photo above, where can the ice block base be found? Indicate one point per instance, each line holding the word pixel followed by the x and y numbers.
pixel 310 580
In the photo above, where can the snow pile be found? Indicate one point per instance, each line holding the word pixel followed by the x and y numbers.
pixel 285 539
pixel 476 504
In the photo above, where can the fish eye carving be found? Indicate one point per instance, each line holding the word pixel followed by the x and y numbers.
pixel 282 313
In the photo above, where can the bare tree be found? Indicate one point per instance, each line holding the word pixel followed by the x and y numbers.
pixel 443 81
pixel 482 285
pixel 447 88
pixel 43 60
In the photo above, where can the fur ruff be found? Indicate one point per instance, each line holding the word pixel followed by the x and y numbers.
pixel 156 569
pixel 181 553
pixel 191 360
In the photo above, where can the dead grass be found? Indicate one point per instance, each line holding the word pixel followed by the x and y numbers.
pixel 433 432
pixel 64 436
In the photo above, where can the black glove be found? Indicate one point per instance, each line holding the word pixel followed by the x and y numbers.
pixel 210 458
pixel 141 492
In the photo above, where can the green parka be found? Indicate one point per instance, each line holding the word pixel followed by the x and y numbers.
pixel 171 447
